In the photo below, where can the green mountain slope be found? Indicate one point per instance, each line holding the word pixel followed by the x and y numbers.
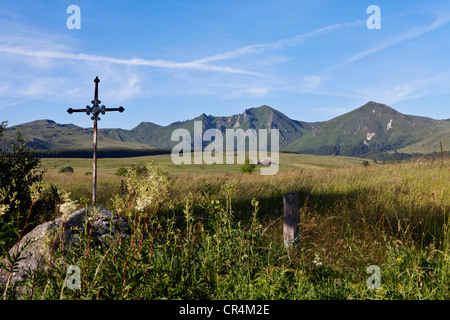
pixel 370 129
pixel 263 117
pixel 47 134
pixel 430 144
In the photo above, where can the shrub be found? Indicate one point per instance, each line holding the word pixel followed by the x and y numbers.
pixel 65 169
pixel 18 169
pixel 45 207
pixel 247 167
pixel 140 169
pixel 365 163
pixel 121 172
pixel 19 173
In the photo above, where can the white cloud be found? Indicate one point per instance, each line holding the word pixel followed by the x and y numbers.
pixel 410 34
pixel 126 88
pixel 279 44
pixel 392 93
pixel 256 92
pixel 10 104
pixel 251 92
pixel 387 94
pixel 132 62
pixel 310 83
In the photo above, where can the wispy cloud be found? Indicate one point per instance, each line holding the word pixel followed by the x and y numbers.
pixel 200 64
pixel 125 87
pixel 392 93
pixel 310 83
pixel 9 14
pixel 279 44
pixel 252 92
pixel 410 34
pixel 10 104
pixel 134 61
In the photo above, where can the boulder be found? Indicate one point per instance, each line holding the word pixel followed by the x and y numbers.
pixel 37 246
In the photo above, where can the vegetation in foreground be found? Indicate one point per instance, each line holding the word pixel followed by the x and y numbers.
pixel 219 237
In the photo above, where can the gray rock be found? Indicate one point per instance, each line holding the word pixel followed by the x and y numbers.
pixel 37 246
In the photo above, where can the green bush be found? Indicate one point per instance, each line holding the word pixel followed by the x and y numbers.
pixel 247 167
pixel 45 206
pixel 19 178
pixel 121 172
pixel 65 169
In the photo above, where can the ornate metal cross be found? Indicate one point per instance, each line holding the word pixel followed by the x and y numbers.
pixel 95 110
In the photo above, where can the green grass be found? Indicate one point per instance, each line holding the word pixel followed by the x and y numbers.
pixel 287 161
pixel 80 184
pixel 210 240
pixel 429 145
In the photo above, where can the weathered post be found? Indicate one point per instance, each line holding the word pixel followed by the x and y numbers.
pixel 291 212
pixel 95 110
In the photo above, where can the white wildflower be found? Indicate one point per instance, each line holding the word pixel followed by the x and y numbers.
pixel 68 206
pixel 3 209
pixel 150 188
pixel 143 202
pixel 317 261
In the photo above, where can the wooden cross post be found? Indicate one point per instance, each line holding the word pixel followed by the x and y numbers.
pixel 95 110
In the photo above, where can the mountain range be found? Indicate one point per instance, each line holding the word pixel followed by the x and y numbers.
pixel 370 130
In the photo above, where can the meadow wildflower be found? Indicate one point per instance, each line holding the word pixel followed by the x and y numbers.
pixel 68 207
pixel 3 209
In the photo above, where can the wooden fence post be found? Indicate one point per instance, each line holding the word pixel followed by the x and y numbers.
pixel 291 213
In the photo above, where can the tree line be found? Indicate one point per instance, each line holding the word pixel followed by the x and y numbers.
pixel 101 153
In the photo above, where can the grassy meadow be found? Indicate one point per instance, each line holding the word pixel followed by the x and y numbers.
pixel 216 233
pixel 79 183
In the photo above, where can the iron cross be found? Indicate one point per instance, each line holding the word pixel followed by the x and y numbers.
pixel 95 110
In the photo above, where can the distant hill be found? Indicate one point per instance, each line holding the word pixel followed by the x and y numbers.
pixel 370 130
pixel 256 118
pixel 47 134
pixel 430 144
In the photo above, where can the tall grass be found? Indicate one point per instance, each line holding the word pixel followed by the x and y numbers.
pixel 220 237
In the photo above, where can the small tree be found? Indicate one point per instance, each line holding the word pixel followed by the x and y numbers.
pixel 247 167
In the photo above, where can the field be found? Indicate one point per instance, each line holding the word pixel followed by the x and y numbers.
pixel 80 182
pixel 217 233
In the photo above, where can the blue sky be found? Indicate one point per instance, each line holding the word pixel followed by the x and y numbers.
pixel 167 61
